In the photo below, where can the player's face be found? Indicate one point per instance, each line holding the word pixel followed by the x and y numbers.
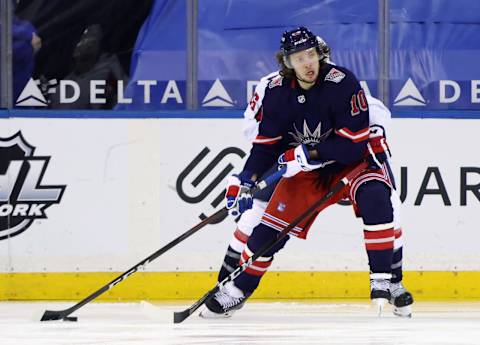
pixel 306 64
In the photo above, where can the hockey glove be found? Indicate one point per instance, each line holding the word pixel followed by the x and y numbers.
pixel 378 151
pixel 298 159
pixel 238 195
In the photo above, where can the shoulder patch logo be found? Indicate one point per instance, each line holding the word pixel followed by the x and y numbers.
pixel 217 96
pixel 335 75
pixel 409 95
pixel 275 82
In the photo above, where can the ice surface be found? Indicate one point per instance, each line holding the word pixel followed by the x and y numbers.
pixel 257 323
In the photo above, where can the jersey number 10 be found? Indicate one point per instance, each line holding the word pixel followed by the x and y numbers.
pixel 358 102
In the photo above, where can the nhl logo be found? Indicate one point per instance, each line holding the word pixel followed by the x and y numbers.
pixel 23 197
pixel 301 99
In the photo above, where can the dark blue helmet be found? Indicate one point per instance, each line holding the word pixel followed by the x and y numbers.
pixel 297 40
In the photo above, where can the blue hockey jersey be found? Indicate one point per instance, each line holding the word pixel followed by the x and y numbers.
pixel 331 117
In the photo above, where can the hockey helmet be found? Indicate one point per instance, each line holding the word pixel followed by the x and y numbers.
pixel 297 40
pixel 301 39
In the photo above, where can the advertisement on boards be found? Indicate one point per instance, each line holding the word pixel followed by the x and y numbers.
pixel 99 194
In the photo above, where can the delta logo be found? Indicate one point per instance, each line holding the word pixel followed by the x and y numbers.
pixel 444 92
pixel 36 94
pixel 217 96
pixel 409 96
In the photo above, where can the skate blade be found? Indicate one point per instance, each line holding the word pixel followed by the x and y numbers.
pixel 379 304
pixel 403 311
pixel 208 314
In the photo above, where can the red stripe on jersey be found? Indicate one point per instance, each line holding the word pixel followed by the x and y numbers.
pixel 356 137
pixel 398 233
pixel 370 235
pixel 260 139
pixel 379 246
pixel 240 236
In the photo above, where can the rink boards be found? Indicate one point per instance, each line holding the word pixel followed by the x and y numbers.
pixel 113 191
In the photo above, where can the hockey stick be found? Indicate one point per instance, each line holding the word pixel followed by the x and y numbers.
pixel 51 315
pixel 181 316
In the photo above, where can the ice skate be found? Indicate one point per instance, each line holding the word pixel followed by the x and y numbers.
pixel 225 302
pixel 401 300
pixel 379 294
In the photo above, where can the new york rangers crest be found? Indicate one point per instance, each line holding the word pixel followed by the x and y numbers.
pixel 335 75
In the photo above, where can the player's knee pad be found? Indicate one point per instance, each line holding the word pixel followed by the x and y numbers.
pixel 248 221
pixel 251 218
pixel 374 204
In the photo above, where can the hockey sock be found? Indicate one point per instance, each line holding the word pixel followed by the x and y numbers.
pixel 230 263
pixel 379 245
pixel 373 200
pixel 232 256
pixel 397 273
pixel 248 281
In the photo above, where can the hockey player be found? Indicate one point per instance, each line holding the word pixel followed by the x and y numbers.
pixel 322 111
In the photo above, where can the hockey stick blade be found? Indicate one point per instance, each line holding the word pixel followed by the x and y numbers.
pixel 179 316
pixel 182 315
pixel 52 315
